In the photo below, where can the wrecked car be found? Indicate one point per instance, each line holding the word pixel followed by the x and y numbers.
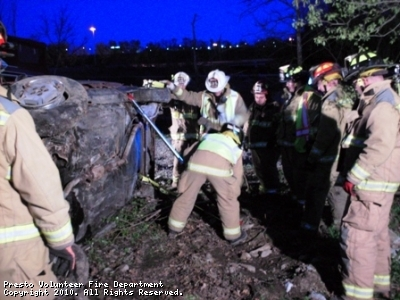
pixel 98 140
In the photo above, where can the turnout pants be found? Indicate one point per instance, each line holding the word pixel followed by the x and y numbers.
pixel 227 189
pixel 365 244
pixel 26 261
pixel 180 147
pixel 287 167
pixel 264 162
pixel 316 191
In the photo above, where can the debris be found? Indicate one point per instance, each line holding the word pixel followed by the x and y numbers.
pixel 288 286
pixel 256 252
pixel 316 296
pixel 249 268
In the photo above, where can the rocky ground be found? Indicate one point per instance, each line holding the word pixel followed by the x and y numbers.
pixel 133 253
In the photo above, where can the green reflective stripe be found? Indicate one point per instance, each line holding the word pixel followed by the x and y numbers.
pixel 376 186
pixel 329 158
pixel 358 292
pixel 209 170
pixel 351 140
pixel 231 231
pixel 359 172
pixel 193 116
pixel 263 124
pixel 382 279
pixel 175 179
pixel 315 150
pixel 60 234
pixel 3 118
pixel 18 233
pixel 8 176
pixel 258 145
pixel 176 224
pixel 178 92
pixel 176 115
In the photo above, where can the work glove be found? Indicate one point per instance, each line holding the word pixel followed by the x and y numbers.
pixel 349 188
pixel 63 261
pixel 169 85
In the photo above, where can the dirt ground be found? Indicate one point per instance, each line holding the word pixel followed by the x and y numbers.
pixel 135 257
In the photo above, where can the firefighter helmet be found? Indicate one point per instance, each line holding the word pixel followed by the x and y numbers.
pixel 260 87
pixel 238 134
pixel 216 81
pixel 181 78
pixel 292 72
pixel 4 44
pixel 364 64
pixel 327 71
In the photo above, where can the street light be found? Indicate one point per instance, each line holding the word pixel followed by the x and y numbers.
pixel 92 29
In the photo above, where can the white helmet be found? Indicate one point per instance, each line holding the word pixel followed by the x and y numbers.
pixel 216 81
pixel 181 78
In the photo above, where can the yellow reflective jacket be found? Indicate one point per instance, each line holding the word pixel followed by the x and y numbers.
pixel 232 109
pixel 31 195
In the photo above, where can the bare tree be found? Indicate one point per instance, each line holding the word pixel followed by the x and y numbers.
pixel 278 17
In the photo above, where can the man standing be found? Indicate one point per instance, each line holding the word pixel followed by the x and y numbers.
pixel 219 104
pixel 323 157
pixel 32 205
pixel 184 129
pixel 218 159
pixel 260 131
pixel 372 178
pixel 33 213
pixel 299 119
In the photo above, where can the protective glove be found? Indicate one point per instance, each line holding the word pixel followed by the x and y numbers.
pixel 349 188
pixel 81 271
pixel 63 261
pixel 169 85
pixel 204 122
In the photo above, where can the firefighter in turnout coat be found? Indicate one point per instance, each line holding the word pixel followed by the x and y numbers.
pixel 372 178
pixel 324 154
pixel 260 133
pixel 32 206
pixel 218 159
pixel 219 104
pixel 184 129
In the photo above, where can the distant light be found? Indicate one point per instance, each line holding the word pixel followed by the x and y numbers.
pixel 209 48
pixel 215 44
pixel 167 48
pixel 66 49
pixel 115 47
pixel 92 29
pixel 237 46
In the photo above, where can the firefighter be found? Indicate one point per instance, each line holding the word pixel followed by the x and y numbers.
pixel 372 177
pixel 33 212
pixel 218 104
pixel 184 129
pixel 322 160
pixel 292 138
pixel 260 131
pixel 218 159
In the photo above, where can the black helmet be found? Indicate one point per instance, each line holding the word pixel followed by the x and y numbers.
pixel 293 72
pixel 238 132
pixel 357 64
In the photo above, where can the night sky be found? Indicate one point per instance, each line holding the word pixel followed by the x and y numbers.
pixel 126 20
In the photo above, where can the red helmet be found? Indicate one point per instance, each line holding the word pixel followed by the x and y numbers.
pixel 260 87
pixel 322 71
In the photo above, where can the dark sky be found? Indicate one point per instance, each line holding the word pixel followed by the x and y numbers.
pixel 145 20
